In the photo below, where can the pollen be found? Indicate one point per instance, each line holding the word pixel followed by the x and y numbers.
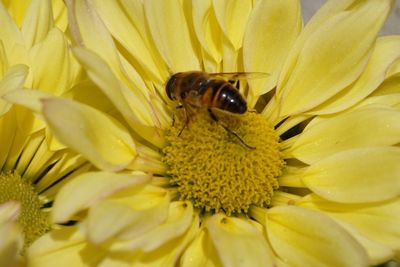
pixel 32 219
pixel 212 168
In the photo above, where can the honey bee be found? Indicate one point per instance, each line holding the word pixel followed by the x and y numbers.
pixel 197 89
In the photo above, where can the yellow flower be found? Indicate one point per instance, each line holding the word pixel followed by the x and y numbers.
pixel 33 166
pixel 321 187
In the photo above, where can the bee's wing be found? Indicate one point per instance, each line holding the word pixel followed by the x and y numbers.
pixel 234 76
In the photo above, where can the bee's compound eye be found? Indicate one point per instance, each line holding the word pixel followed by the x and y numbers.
pixel 170 87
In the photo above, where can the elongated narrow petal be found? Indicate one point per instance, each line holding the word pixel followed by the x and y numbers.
pixel 13 79
pixel 52 66
pixel 232 17
pixel 374 224
pixel 386 51
pixel 302 237
pixel 119 24
pixel 207 31
pixel 129 215
pixel 270 32
pixel 347 131
pixel 238 242
pixel 89 188
pixel 64 247
pixel 201 252
pixel 358 175
pixel 332 57
pixel 137 112
pixel 11 235
pixel 38 22
pixel 105 142
pixel 179 220
pixel 9 32
pixel 176 49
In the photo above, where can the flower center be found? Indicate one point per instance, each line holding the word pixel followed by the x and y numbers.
pixel 32 219
pixel 212 168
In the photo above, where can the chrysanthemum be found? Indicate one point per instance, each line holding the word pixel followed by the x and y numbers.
pixel 321 187
pixel 33 165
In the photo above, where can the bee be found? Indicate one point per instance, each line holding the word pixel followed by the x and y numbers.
pixel 197 89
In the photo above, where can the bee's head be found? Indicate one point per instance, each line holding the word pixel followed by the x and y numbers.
pixel 170 87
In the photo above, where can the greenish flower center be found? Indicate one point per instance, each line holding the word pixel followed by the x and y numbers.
pixel 32 219
pixel 210 166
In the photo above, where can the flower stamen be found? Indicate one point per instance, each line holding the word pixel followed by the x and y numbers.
pixel 211 168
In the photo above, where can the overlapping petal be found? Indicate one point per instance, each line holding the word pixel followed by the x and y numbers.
pixel 360 175
pixel 101 139
pixel 326 62
pixel 323 242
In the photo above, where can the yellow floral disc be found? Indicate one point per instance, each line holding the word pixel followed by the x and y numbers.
pixel 217 172
pixel 33 220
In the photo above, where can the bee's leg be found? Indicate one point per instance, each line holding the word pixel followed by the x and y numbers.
pixel 214 117
pixel 187 119
pixel 173 114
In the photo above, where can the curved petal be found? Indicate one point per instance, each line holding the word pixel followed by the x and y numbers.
pixel 137 112
pixel 64 247
pixel 208 32
pixel 375 225
pixel 232 17
pixel 38 22
pixel 51 64
pixel 128 215
pixel 201 252
pixel 332 57
pixel 89 188
pixel 176 49
pixel 126 32
pixel 302 237
pixel 180 217
pixel 11 241
pixel 375 126
pixel 386 51
pixel 238 243
pixel 104 141
pixel 9 32
pixel 272 28
pixel 359 175
pixel 13 79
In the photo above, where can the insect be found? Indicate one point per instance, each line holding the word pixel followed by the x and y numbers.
pixel 197 89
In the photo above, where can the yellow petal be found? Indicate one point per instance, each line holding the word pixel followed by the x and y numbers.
pixel 364 127
pixel 358 175
pixel 128 216
pixel 302 237
pixel 207 30
pixel 270 32
pixel 89 188
pixel 389 86
pixel 201 252
pixel 374 225
pixel 386 51
pixel 179 219
pixel 64 247
pixel 10 244
pixel 238 243
pixel 11 240
pixel 332 57
pixel 166 19
pixel 117 21
pixel 37 22
pixel 13 79
pixel 9 32
pixel 167 255
pixel 60 14
pixel 101 139
pixel 232 17
pixel 136 109
pixel 51 64
pixel 28 98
